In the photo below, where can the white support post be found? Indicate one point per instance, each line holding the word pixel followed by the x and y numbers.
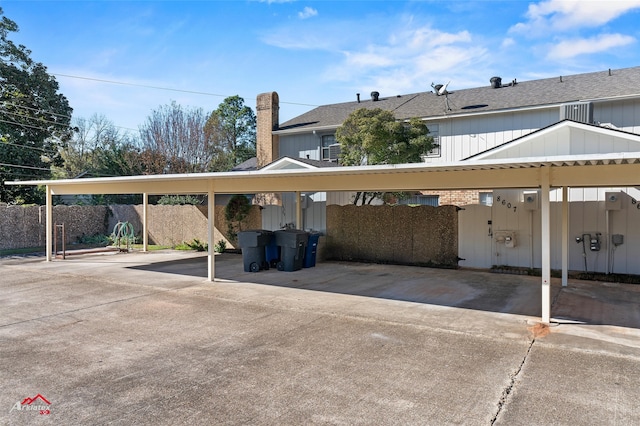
pixel 49 223
pixel 298 210
pixel 145 224
pixel 546 245
pixel 565 236
pixel 211 223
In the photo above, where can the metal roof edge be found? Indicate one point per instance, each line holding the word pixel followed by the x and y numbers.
pixel 525 162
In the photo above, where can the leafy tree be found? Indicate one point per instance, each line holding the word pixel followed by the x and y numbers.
pixel 34 121
pixel 231 128
pixel 236 211
pixel 97 148
pixel 174 140
pixel 374 136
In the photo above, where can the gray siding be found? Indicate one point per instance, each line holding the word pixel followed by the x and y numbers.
pixel 624 115
pixel 300 146
pixel 463 137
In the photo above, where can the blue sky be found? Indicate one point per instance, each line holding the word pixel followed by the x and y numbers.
pixel 310 52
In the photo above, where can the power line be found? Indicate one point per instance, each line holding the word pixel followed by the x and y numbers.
pixel 35 148
pixel 56 114
pixel 33 118
pixel 122 83
pixel 24 125
pixel 24 167
pixel 37 110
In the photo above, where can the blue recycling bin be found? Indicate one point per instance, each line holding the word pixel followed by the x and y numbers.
pixel 310 252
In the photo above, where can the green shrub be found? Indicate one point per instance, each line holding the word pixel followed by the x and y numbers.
pixel 220 246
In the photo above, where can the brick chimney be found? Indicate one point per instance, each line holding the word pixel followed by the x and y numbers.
pixel 267 117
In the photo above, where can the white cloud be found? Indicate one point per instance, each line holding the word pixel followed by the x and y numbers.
pixel 562 15
pixel 508 42
pixel 410 60
pixel 307 12
pixel 601 43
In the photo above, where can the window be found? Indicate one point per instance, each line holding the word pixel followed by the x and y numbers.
pixel 434 132
pixel 422 200
pixel 330 149
pixel 485 198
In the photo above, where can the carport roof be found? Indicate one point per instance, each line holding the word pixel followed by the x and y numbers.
pixel 571 170
pixel 590 170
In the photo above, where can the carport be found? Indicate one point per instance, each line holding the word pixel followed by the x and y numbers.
pixel 543 173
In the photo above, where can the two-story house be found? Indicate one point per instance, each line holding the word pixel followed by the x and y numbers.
pixel 591 113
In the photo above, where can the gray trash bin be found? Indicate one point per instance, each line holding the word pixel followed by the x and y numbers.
pixel 292 243
pixel 253 245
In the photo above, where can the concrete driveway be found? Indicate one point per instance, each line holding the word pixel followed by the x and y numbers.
pixel 142 338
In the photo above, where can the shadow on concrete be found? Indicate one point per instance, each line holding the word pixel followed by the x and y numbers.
pixel 587 302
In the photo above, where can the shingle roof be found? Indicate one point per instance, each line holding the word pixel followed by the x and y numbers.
pixel 534 93
pixel 250 164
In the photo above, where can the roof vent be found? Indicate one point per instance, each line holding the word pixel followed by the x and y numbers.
pixel 375 96
pixel 496 82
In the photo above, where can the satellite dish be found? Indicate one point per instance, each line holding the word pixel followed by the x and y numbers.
pixel 440 89
pixel 443 89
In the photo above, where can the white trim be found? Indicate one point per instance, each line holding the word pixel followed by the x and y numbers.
pixel 526 139
pixel 276 165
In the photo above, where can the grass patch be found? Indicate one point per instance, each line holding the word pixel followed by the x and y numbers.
pixel 195 244
pixel 26 250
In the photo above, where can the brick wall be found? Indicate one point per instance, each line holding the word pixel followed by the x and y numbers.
pixel 457 197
